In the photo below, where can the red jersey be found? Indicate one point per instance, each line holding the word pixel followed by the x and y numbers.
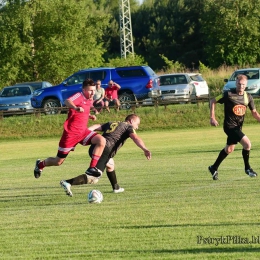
pixel 77 122
pixel 111 92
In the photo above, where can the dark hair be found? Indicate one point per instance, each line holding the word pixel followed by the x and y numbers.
pixel 130 117
pixel 88 82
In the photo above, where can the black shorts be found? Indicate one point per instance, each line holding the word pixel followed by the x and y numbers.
pixel 234 135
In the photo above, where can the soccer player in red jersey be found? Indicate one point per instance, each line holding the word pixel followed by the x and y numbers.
pixel 235 104
pixel 115 133
pixel 76 132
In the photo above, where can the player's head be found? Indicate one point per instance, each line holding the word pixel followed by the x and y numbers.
pixel 241 83
pixel 134 120
pixel 88 88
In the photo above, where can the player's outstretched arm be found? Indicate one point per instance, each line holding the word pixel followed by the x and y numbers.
pixel 255 114
pixel 140 143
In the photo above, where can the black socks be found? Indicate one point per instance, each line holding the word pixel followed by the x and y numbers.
pixel 79 180
pixel 222 155
pixel 245 155
pixel 113 180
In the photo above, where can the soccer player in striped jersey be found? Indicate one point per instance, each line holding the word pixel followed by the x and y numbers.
pixel 76 132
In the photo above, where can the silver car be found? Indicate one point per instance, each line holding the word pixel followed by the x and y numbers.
pixel 253 83
pixel 183 87
pixel 36 84
pixel 16 99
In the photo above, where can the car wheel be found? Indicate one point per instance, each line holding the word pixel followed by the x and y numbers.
pixel 51 107
pixel 126 100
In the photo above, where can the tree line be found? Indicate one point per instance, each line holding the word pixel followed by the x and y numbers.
pixel 51 39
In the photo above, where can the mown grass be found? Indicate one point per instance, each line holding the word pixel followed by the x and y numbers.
pixel 168 202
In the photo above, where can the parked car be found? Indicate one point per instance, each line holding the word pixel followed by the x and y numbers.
pixel 137 83
pixel 16 99
pixel 253 84
pixel 200 84
pixel 183 87
pixel 36 84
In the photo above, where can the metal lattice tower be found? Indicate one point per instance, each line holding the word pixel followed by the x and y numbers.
pixel 126 38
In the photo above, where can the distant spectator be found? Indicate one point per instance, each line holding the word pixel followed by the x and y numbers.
pixel 111 95
pixel 98 98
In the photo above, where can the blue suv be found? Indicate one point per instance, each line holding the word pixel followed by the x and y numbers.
pixel 137 83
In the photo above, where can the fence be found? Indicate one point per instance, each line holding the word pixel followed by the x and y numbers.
pixel 133 105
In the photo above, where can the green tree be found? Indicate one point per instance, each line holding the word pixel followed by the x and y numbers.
pixel 129 61
pixel 170 28
pixel 231 31
pixel 50 39
pixel 15 50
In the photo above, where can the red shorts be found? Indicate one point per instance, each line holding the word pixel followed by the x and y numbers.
pixel 69 140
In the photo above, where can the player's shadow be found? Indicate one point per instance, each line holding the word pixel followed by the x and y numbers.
pixel 190 225
pixel 211 249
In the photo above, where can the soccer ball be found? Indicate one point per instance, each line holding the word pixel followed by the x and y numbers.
pixel 95 196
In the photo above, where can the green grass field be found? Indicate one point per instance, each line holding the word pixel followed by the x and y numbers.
pixel 171 207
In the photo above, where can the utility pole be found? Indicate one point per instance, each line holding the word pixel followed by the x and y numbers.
pixel 126 38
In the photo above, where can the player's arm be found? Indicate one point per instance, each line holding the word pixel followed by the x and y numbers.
pixel 213 120
pixel 255 114
pixel 70 104
pixel 92 117
pixel 140 143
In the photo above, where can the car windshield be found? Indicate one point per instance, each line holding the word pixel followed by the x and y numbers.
pixel 36 85
pixel 16 91
pixel 196 78
pixel 173 80
pixel 251 74
pixel 77 78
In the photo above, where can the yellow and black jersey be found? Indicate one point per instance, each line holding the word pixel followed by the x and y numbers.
pixel 116 134
pixel 235 107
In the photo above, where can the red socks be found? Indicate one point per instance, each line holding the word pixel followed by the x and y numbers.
pixel 94 160
pixel 41 165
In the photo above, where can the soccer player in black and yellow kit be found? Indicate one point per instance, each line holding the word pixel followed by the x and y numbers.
pixel 115 133
pixel 235 104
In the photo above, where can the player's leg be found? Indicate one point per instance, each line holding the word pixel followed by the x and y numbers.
pixel 67 143
pixel 88 177
pixel 99 142
pixel 78 180
pixel 111 174
pixel 232 140
pixel 51 161
pixel 245 142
